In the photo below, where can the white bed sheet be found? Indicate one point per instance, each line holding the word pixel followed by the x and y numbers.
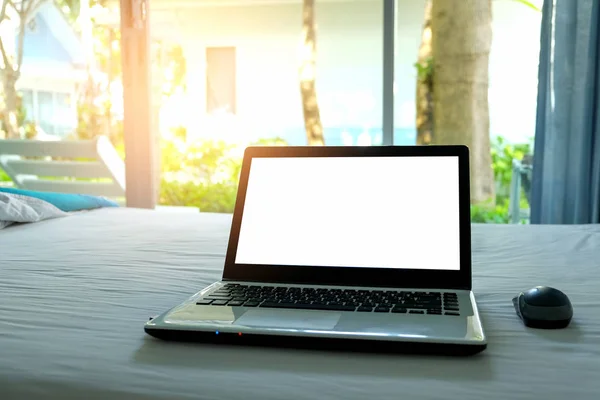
pixel 75 293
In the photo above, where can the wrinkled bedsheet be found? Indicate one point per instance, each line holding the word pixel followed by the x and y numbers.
pixel 75 293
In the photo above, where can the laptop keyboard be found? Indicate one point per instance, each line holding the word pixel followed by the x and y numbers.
pixel 379 301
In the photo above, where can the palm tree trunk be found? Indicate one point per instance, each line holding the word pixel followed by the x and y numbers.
pixel 462 36
pixel 424 95
pixel 308 91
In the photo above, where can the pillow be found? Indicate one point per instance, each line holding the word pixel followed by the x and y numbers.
pixel 65 201
pixel 15 208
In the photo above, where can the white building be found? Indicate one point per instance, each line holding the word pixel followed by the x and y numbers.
pixel 52 70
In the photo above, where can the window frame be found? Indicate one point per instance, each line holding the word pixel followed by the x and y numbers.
pixel 389 55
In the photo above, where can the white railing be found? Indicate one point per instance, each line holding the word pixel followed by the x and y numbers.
pixel 516 213
pixel 30 162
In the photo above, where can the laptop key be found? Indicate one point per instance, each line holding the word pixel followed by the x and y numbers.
pixel 251 304
pixel 213 297
pixel 235 303
pixel 364 309
pixel 219 302
pixel 204 302
pixel 412 305
pixel 416 312
pixel 399 310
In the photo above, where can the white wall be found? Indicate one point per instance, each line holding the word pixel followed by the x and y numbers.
pixel 349 62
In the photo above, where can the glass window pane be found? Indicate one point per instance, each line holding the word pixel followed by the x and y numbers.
pixel 65 118
pixel 350 71
pixel 409 24
pixel 27 103
pixel 45 102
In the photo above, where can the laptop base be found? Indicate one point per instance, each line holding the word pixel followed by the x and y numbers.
pixel 317 343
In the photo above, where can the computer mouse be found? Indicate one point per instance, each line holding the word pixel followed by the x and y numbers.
pixel 544 307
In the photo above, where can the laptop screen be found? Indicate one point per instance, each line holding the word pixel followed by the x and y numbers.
pixel 378 212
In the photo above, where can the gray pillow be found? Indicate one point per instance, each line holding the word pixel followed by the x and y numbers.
pixel 15 208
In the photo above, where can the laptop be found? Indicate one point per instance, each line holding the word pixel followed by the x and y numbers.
pixel 343 246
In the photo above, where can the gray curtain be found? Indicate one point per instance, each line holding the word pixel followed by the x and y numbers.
pixel 566 162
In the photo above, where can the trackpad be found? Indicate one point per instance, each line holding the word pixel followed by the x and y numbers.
pixel 289 319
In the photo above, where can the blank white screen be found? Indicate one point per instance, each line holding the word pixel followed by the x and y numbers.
pixel 380 212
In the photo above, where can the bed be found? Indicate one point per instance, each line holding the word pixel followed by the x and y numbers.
pixel 76 291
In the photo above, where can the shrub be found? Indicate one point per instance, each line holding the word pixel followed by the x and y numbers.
pixel 487 213
pixel 217 197
pixel 203 173
pixel 503 154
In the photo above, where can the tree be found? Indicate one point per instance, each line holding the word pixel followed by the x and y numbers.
pixel 308 91
pixel 461 44
pixel 452 91
pixel 101 44
pixel 18 13
pixel 424 95
pixel 451 96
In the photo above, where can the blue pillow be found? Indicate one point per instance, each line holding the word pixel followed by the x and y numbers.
pixel 65 201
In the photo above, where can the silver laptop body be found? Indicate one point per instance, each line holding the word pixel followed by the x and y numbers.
pixel 343 246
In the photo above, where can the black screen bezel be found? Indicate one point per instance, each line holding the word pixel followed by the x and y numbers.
pixel 355 276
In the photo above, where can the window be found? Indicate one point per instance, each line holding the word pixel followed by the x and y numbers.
pixel 220 80
pixel 64 122
pixel 51 111
pixel 28 104
pixel 46 112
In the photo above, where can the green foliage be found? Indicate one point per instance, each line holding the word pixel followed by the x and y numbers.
pixel 172 59
pixel 489 213
pixel 217 197
pixel 93 113
pixel 503 154
pixel 107 50
pixel 27 129
pixel 4 177
pixel 94 117
pixel 425 69
pixel 203 173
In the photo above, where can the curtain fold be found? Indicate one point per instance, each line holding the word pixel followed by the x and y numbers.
pixel 566 162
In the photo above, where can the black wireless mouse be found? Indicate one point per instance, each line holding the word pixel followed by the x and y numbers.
pixel 544 307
